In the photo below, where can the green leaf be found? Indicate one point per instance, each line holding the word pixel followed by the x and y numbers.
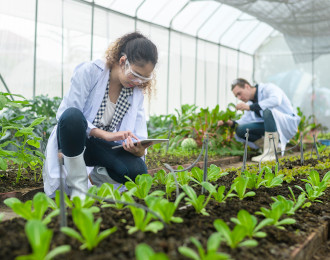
pixel 143 252
pixel 72 233
pixel 188 252
pixel 287 221
pixel 3 164
pixel 224 230
pixel 249 243
pixel 57 251
pixel 213 242
pixel 39 237
pixel 37 121
pixel 34 143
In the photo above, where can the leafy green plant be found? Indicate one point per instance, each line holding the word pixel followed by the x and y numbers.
pixel 39 238
pixel 275 213
pixel 145 252
pixel 306 125
pixel 217 194
pixel 189 144
pixel 199 203
pixel 211 252
pixel 159 177
pixel 188 122
pixel 89 230
pixel 324 136
pixel 213 174
pixel 107 191
pixel 33 209
pixel 314 187
pixel 272 179
pixel 250 223
pixel 1 216
pixel 170 185
pixel 290 206
pixel 255 181
pixel 235 237
pixel 240 185
pixel 165 208
pixel 86 203
pixel 142 221
pixel 182 177
pixel 314 179
pixel 312 193
pixel 141 187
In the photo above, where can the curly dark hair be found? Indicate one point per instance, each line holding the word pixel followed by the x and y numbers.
pixel 139 51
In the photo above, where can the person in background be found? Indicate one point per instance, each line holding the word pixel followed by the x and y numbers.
pixel 103 108
pixel 267 112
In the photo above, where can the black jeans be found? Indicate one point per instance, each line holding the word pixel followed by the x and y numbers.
pixel 257 130
pixel 71 137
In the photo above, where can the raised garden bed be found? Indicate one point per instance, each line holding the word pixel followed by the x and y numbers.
pixel 303 240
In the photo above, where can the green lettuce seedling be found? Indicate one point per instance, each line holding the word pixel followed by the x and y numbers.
pixel 39 238
pixel 183 177
pixel 272 179
pixel 250 222
pixel 314 187
pixel 275 213
pixel 213 174
pixel 142 221
pixel 210 253
pixel 170 185
pixel 255 180
pixel 240 185
pixel 160 177
pixel 233 238
pixel 89 230
pixel 33 209
pixel 165 208
pixel 311 193
pixel 141 187
pixel 145 252
pixel 290 206
pixel 199 203
pixel 67 201
pixel 107 191
pixel 314 180
pixel 218 195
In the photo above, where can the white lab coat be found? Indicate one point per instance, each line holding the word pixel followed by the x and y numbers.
pixel 272 97
pixel 86 93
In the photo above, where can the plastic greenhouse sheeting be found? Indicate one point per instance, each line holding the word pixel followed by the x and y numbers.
pixel 305 24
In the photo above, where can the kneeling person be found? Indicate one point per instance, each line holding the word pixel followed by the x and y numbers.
pixel 267 112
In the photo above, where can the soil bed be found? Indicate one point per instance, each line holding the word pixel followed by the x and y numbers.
pixel 279 244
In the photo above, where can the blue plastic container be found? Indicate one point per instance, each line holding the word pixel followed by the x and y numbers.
pixel 325 142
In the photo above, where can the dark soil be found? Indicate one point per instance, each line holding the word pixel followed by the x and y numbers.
pixel 28 180
pixel 277 245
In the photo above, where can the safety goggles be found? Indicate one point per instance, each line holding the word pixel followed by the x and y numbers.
pixel 133 76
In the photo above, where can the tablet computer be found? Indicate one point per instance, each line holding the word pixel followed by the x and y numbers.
pixel 145 141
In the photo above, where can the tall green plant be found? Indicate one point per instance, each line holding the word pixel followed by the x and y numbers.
pixel 22 148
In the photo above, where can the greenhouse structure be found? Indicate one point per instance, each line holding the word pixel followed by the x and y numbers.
pixel 240 110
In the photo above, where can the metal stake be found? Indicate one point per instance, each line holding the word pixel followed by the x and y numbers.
pixel 206 143
pixel 63 220
pixel 245 149
pixel 301 151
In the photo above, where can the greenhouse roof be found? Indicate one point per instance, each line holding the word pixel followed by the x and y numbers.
pixel 239 24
